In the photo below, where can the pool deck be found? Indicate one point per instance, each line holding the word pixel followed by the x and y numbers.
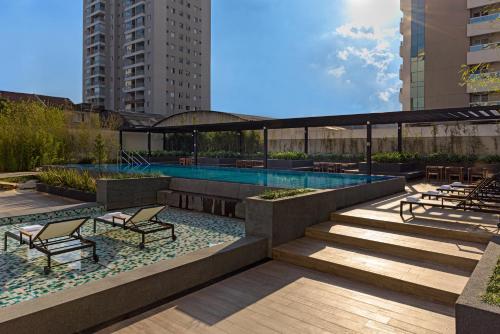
pixel 27 202
pixel 281 298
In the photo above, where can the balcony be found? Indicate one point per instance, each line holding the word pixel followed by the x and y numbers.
pixel 484 53
pixel 479 3
pixel 483 25
pixel 484 82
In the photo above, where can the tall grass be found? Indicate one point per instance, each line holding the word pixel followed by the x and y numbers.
pixel 69 178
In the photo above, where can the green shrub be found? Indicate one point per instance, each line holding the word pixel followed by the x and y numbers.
pixel 164 154
pixel 69 178
pixel 492 295
pixel 490 159
pixel 395 157
pixel 288 155
pixel 220 154
pixel 123 176
pixel 277 194
pixel 442 157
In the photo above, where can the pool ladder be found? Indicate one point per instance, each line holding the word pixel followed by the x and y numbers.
pixel 132 159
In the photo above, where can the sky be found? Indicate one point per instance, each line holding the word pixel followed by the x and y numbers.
pixel 276 58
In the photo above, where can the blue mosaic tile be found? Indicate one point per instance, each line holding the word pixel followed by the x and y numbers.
pixel 21 269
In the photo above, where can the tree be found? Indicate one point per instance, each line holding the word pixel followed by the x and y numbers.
pixel 99 149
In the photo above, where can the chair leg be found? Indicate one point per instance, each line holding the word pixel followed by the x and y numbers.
pixel 5 243
pixel 95 226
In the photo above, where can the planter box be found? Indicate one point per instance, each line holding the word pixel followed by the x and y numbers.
pixel 66 192
pixel 128 193
pixel 286 219
pixel 217 161
pixel 289 164
pixel 472 315
pixel 385 167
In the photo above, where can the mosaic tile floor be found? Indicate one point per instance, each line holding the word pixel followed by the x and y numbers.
pixel 21 269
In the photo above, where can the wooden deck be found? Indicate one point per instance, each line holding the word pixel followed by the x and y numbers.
pixel 282 298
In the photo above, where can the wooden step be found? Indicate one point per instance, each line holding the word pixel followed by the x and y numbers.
pixel 459 254
pixel 432 282
pixel 427 227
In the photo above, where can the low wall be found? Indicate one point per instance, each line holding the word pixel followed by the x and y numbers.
pixel 81 308
pixel 128 193
pixel 221 198
pixel 286 219
pixel 217 161
pixel 288 164
pixel 472 315
pixel 66 192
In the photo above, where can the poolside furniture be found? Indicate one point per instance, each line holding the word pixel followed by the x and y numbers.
pixel 186 161
pixel 54 238
pixel 145 222
pixel 471 202
pixel 452 172
pixel 476 173
pixel 484 190
pixel 435 172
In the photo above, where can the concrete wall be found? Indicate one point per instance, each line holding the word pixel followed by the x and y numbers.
pixel 472 315
pixel 286 219
pixel 449 137
pixel 128 193
pixel 81 308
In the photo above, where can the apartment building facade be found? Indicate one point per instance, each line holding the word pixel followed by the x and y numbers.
pixel 147 56
pixel 439 39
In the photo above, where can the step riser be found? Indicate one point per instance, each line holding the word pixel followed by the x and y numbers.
pixel 413 229
pixel 381 281
pixel 395 250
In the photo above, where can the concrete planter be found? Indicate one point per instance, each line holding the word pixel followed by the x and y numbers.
pixel 286 219
pixel 288 164
pixel 471 313
pixel 66 192
pixel 384 167
pixel 127 193
pixel 217 161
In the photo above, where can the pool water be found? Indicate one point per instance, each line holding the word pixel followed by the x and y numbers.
pixel 263 177
pixel 21 269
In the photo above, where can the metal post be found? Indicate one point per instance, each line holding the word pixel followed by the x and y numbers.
pixel 400 137
pixel 369 147
pixel 164 141
pixel 265 148
pixel 306 140
pixel 195 147
pixel 121 140
pixel 149 144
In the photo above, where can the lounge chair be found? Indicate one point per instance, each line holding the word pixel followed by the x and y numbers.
pixel 145 221
pixel 470 202
pixel 54 238
pixel 484 191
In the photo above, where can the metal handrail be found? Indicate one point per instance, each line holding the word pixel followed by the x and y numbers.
pixel 133 159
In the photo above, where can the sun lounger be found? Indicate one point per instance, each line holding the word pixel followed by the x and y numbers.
pixel 473 201
pixel 145 221
pixel 54 238
pixel 483 191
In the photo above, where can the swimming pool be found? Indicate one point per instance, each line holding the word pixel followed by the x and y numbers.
pixel 263 177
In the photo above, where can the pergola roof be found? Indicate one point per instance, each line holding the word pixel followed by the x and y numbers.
pixel 490 113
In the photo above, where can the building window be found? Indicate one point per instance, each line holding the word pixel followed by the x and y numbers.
pixel 417 87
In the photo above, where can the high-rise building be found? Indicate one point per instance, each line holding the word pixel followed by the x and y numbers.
pixel 147 56
pixel 439 38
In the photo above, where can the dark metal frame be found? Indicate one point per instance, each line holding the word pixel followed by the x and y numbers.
pixel 143 228
pixel 467 114
pixel 43 245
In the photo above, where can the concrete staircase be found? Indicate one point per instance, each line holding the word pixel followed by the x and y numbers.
pixel 427 259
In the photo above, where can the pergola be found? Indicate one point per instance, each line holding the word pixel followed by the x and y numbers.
pixel 470 114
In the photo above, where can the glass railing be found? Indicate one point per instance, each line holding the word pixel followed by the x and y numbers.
pixel 485 18
pixel 488 46
pixel 484 76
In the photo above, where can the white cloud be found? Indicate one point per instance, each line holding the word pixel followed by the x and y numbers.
pixel 386 95
pixel 343 54
pixel 337 72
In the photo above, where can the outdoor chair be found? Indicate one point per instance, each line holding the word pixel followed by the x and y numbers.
pixel 476 173
pixel 144 222
pixel 470 202
pixel 485 191
pixel 435 172
pixel 452 173
pixel 53 239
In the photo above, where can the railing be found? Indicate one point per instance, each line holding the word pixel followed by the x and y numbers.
pixel 133 159
pixel 480 47
pixel 484 18
pixel 485 104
